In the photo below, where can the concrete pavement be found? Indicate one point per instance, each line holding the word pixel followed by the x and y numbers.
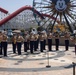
pixel 35 64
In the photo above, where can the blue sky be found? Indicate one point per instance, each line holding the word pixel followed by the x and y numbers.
pixel 13 5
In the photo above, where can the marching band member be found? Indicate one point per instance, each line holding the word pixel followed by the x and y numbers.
pixel 45 37
pixel 19 43
pixel 41 38
pixel 1 43
pixel 57 40
pixel 35 42
pixel 14 40
pixel 50 41
pixel 28 42
pixel 26 38
pixel 4 44
pixel 31 38
pixel 67 36
pixel 73 39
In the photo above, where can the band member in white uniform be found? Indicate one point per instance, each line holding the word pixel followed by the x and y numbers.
pixel 4 44
pixel 73 39
pixel 41 38
pixel 31 38
pixel 67 36
pixel 1 43
pixel 57 40
pixel 50 41
pixel 35 41
pixel 45 37
pixel 19 43
pixel 14 41
pixel 26 38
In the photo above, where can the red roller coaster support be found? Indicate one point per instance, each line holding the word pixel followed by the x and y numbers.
pixel 3 10
pixel 19 11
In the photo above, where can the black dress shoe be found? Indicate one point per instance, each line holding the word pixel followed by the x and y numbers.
pixel 5 55
pixel 50 50
pixel 57 49
pixel 66 50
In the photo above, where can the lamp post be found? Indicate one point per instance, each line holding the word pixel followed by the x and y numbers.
pixel 73 68
pixel 48 66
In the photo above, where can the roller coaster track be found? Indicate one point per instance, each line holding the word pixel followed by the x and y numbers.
pixel 3 10
pixel 3 21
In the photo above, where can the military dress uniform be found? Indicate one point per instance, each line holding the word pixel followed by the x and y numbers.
pixel 26 38
pixel 1 43
pixel 50 41
pixel 4 44
pixel 14 41
pixel 19 43
pixel 35 42
pixel 67 36
pixel 45 37
pixel 31 42
pixel 73 39
pixel 57 40
pixel 41 38
pixel 28 41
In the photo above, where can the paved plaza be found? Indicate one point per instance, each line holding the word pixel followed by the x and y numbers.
pixel 35 64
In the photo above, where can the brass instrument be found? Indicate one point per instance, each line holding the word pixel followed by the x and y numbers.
pixel 4 38
pixel 32 37
pixel 57 35
pixel 50 36
pixel 67 35
pixel 20 39
pixel 41 37
pixel 36 36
